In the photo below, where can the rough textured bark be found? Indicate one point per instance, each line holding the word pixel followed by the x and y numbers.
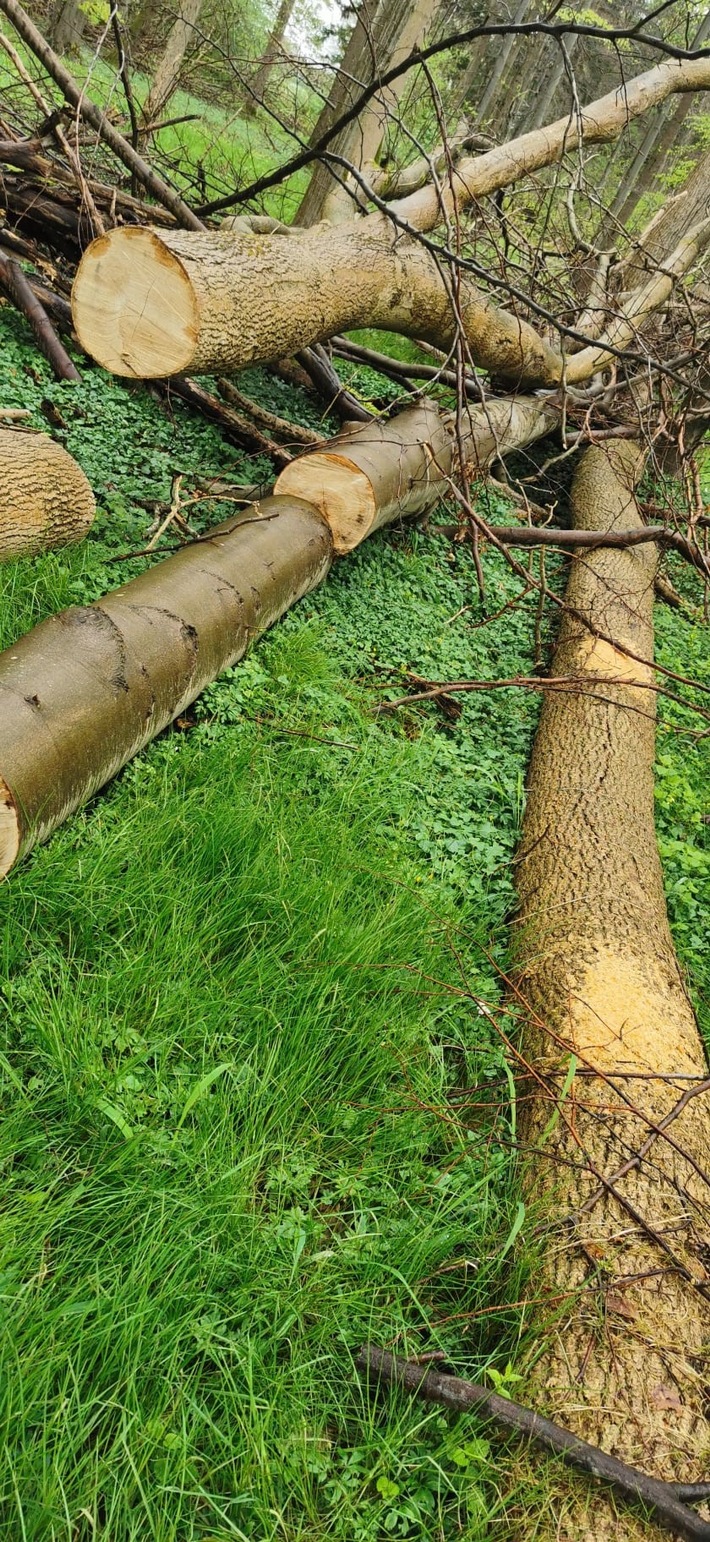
pixel 151 304
pixel 45 499
pixel 370 475
pixel 85 690
pixel 612 1038
pixel 167 75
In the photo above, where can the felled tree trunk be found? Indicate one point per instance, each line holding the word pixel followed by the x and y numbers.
pixel 45 499
pixel 149 304
pixel 404 467
pixel 617 1129
pixel 86 690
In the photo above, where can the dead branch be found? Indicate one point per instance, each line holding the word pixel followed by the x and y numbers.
pixel 666 1501
pixel 88 110
pixel 20 291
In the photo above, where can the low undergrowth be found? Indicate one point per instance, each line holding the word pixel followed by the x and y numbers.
pixel 255 1104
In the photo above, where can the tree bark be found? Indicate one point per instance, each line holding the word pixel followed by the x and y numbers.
pixel 45 499
pixel 381 37
pixel 149 305
pixel 274 47
pixel 17 286
pixel 652 153
pixel 402 27
pixel 369 476
pixel 600 122
pixel 86 690
pixel 503 54
pixel 691 205
pixel 356 66
pixel 611 1037
pixel 66 25
pixel 167 74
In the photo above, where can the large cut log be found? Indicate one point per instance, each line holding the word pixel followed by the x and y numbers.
pixel 87 689
pixel 397 469
pixel 618 1105
pixel 45 499
pixel 149 303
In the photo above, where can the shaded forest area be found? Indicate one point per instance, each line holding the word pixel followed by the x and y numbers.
pixel 354 776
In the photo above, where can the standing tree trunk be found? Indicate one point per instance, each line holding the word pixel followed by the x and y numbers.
pixel 65 28
pixel 397 27
pixel 618 1123
pixel 356 66
pixel 553 80
pixel 652 153
pixel 167 74
pixel 487 102
pixel 274 48
pixel 691 205
pixel 399 31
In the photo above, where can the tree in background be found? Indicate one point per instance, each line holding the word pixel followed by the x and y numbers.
pixel 487 259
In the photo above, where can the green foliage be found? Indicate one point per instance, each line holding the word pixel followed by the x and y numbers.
pixel 234 1013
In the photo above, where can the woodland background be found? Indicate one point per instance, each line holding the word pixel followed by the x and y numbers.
pixel 257 1105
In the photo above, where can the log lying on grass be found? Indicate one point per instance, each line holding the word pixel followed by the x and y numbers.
pixel 45 499
pixel 149 303
pixel 404 467
pixel 619 1064
pixel 87 689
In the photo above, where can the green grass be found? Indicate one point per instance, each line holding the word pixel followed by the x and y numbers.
pixel 241 998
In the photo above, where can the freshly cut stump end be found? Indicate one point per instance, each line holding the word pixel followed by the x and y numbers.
pixel 9 829
pixel 45 499
pixel 374 473
pixel 134 308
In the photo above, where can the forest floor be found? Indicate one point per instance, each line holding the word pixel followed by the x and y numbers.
pixel 255 1105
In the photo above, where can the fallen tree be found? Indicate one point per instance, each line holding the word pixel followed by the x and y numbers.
pixel 597 972
pixel 45 499
pixel 87 689
pixel 147 304
pixel 617 1093
pixel 405 466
